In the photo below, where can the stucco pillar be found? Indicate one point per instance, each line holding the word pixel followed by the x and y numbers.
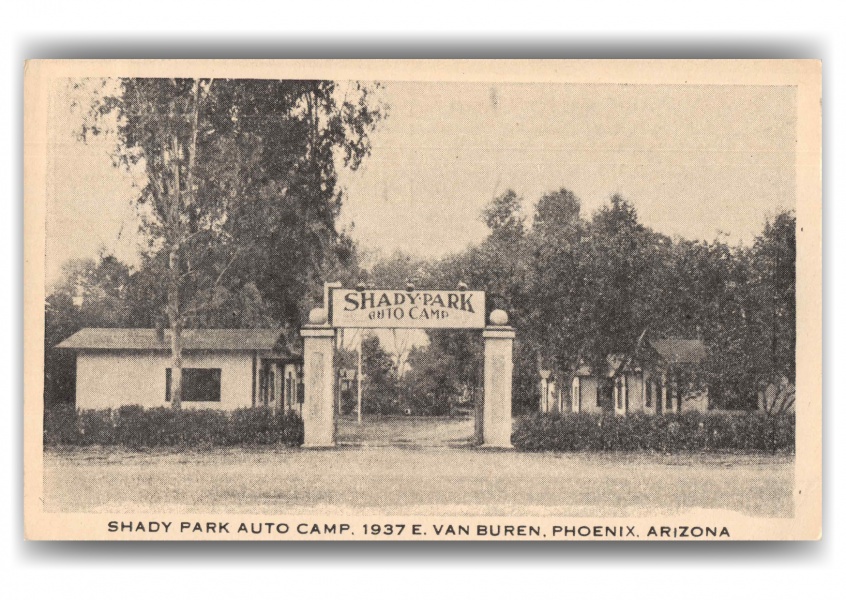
pixel 319 380
pixel 499 339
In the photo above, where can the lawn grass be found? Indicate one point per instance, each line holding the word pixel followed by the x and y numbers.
pixel 441 480
pixel 405 431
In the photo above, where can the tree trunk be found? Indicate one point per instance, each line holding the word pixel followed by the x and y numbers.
pixel 175 334
pixel 174 263
pixel 192 150
pixel 174 309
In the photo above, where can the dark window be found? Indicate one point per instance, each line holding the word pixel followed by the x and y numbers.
pixel 682 387
pixel 267 387
pixel 598 395
pixel 198 385
pixel 579 392
pixel 289 391
pixel 648 393
pixel 668 390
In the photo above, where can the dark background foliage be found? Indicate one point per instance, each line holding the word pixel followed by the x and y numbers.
pixel 260 238
pixel 578 289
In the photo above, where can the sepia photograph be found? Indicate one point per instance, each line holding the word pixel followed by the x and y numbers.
pixel 423 300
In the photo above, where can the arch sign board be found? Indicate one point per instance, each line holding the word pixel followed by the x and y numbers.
pixel 398 309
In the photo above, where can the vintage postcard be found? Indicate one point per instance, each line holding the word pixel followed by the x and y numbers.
pixel 423 300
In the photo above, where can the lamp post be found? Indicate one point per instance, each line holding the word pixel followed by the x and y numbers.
pixel 359 378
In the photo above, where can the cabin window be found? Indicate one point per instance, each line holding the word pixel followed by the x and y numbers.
pixel 198 385
pixel 289 391
pixel 267 386
pixel 683 386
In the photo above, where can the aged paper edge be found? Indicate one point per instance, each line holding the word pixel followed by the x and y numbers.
pixel 806 75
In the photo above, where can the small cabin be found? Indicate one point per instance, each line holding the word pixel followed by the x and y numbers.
pixel 659 377
pixel 221 368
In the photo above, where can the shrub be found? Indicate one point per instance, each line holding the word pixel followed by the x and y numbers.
pixel 96 428
pixel 263 426
pixel 691 432
pixel 136 427
pixel 61 425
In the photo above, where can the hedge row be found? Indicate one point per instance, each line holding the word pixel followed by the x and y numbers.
pixel 136 427
pixel 693 432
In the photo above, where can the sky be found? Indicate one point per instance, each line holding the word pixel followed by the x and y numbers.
pixel 696 161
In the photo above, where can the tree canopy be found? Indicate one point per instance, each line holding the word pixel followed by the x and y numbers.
pixel 242 180
pixel 579 289
pixel 240 203
pixel 241 191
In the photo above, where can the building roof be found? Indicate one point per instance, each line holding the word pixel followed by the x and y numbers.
pixel 615 362
pixel 679 350
pixel 612 361
pixel 583 371
pixel 192 339
pixel 670 350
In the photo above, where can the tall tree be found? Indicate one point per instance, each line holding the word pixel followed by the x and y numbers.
pixel 557 295
pixel 241 186
pixel 616 258
pixel 772 331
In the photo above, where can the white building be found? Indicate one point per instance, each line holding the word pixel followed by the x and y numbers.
pixel 657 378
pixel 222 368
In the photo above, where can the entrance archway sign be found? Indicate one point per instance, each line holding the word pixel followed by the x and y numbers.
pixel 404 309
pixel 407 309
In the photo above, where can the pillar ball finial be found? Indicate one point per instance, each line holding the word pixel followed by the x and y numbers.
pixel 360 286
pixel 499 317
pixel 409 287
pixel 318 316
pixel 462 287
